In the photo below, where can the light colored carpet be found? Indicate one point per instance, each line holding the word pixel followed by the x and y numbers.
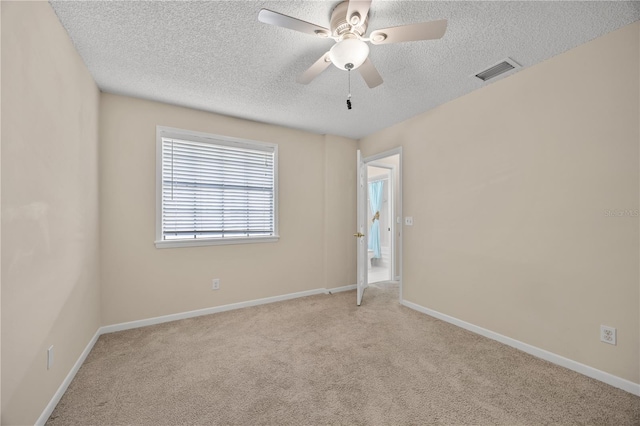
pixel 322 360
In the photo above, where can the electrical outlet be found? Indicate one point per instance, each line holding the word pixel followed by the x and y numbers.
pixel 608 334
pixel 50 357
pixel 408 221
pixel 215 284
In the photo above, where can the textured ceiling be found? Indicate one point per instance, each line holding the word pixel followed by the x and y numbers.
pixel 216 56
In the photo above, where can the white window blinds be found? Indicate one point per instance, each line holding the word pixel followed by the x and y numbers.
pixel 217 189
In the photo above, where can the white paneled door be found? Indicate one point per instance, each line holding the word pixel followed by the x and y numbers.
pixel 362 228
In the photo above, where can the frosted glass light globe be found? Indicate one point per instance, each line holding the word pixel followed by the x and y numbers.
pixel 349 51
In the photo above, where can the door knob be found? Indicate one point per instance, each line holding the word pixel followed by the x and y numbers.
pixel 358 235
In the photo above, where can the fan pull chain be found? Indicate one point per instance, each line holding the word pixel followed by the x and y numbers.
pixel 349 96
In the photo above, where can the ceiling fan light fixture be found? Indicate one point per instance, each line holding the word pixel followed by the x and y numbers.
pixel 349 51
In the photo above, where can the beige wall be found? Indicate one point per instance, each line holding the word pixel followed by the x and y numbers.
pixel 509 188
pixel 316 184
pixel 50 293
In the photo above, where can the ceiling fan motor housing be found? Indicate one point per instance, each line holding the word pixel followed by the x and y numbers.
pixel 340 23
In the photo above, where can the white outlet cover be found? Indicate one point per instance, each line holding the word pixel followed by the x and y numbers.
pixel 408 221
pixel 608 334
pixel 215 284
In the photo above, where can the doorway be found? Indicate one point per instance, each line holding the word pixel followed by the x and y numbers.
pixel 381 221
pixel 379 218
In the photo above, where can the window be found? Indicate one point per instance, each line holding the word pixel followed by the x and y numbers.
pixel 214 190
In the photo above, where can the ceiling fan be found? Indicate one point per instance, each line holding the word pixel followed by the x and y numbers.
pixel 348 26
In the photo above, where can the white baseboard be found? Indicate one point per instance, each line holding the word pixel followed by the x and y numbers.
pixel 610 379
pixel 67 381
pixel 166 318
pixel 343 288
pixel 208 311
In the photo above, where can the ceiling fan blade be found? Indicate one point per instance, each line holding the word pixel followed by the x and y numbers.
pixel 314 70
pixel 370 74
pixel 361 7
pixel 423 31
pixel 267 16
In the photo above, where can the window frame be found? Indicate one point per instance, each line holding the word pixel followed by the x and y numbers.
pixel 190 135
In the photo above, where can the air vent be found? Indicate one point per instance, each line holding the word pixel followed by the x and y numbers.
pixel 501 68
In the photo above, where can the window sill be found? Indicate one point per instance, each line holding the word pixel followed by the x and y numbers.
pixel 215 242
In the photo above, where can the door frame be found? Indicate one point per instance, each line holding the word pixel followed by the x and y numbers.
pixel 400 228
pixel 362 274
